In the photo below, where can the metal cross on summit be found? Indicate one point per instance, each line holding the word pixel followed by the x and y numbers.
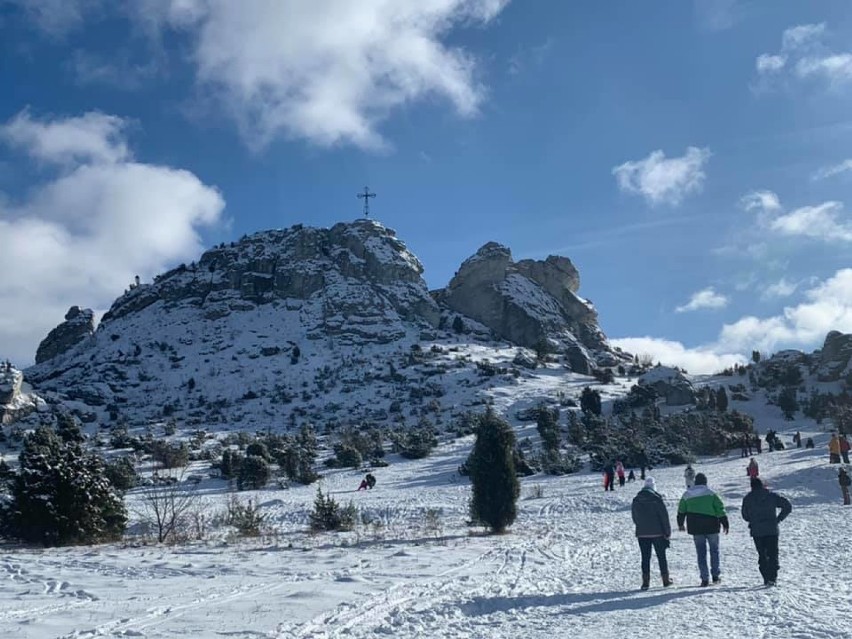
pixel 366 195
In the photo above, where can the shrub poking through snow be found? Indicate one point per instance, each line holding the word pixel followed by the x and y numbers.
pixel 492 472
pixel 254 473
pixel 245 517
pixel 328 515
pixel 122 474
pixel 61 495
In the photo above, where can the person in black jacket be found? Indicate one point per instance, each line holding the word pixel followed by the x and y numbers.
pixel 653 530
pixel 758 510
pixel 844 481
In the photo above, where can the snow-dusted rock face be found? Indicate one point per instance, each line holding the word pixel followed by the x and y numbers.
pixel 320 326
pixel 10 383
pixel 835 358
pixel 527 302
pixel 669 383
pixel 78 325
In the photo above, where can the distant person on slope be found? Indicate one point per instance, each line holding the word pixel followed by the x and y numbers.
pixel 631 476
pixel 834 450
pixel 704 513
pixel 809 442
pixel 609 477
pixel 844 448
pixel 797 439
pixel 758 510
pixel 371 480
pixel 689 476
pixel 844 481
pixel 752 470
pixel 653 529
pixel 619 470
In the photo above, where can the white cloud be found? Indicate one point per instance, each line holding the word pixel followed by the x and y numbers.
pixel 697 361
pixel 56 17
pixel 763 201
pixel 802 46
pixel 93 137
pixel 802 36
pixel 781 288
pixel 831 171
pixel 717 15
pixel 828 307
pixel 81 237
pixel 705 298
pixel 662 180
pixel 834 68
pixel 767 63
pixel 328 71
pixel 818 222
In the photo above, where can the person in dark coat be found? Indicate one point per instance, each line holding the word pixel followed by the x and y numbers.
pixel 844 448
pixel 844 481
pixel 653 529
pixel 609 477
pixel 371 480
pixel 759 510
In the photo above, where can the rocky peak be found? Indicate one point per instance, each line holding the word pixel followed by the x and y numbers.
pixel 78 325
pixel 835 358
pixel 529 301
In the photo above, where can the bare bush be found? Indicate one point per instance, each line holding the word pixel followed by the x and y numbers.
pixel 166 505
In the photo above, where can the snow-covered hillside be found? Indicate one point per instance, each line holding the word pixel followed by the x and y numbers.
pixel 568 567
pixel 320 326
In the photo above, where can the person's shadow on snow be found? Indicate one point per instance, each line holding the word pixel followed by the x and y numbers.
pixel 593 601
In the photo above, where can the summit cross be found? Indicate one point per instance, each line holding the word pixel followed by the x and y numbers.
pixel 366 195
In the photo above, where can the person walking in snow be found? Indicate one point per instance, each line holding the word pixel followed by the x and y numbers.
pixel 653 529
pixel 609 477
pixel 758 443
pixel 844 448
pixel 834 449
pixel 631 476
pixel 752 469
pixel 844 481
pixel 689 476
pixel 704 514
pixel 797 439
pixel 759 510
pixel 619 470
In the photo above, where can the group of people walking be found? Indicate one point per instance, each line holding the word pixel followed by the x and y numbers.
pixel 702 515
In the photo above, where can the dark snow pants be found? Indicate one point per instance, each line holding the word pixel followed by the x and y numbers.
pixel 659 544
pixel 767 556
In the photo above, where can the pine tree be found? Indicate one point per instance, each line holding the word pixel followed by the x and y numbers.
pixel 590 401
pixel 254 473
pixel 492 472
pixel 755 356
pixel 548 428
pixel 788 403
pixel 721 399
pixel 61 495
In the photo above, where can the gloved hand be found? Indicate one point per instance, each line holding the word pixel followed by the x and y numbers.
pixel 726 530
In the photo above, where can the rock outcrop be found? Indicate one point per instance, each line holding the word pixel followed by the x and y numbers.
pixel 78 325
pixel 529 303
pixel 671 384
pixel 835 358
pixel 14 403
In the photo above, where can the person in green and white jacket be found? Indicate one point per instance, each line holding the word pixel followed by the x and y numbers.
pixel 704 514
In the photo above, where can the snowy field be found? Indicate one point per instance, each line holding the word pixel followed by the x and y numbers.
pixel 569 567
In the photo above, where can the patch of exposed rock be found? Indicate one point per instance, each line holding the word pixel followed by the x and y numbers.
pixel 528 303
pixel 78 325
pixel 671 384
pixel 835 358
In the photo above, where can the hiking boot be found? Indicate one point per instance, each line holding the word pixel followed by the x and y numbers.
pixel 705 583
pixel 769 582
pixel 646 581
pixel 667 581
pixel 717 579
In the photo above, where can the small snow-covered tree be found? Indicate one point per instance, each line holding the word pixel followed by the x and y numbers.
pixel 492 472
pixel 61 495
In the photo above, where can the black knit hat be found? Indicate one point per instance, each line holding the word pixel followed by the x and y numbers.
pixel 756 484
pixel 700 479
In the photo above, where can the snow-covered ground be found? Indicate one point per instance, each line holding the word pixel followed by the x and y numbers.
pixel 569 567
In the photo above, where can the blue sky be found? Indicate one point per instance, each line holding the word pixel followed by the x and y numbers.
pixel 691 158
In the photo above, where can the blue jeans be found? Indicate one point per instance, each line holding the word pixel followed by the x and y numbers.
pixel 701 543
